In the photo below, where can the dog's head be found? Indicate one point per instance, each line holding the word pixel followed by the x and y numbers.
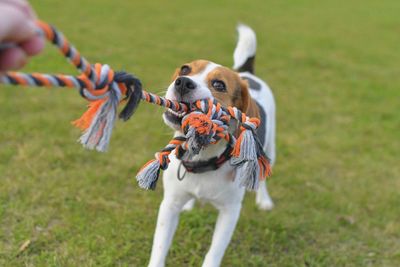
pixel 202 79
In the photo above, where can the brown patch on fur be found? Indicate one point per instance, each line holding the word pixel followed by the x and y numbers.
pixel 231 175
pixel 232 95
pixel 196 67
pixel 252 109
pixel 237 92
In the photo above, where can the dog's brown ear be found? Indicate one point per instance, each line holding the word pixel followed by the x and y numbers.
pixel 248 106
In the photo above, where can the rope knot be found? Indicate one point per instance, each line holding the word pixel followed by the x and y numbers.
pixel 200 122
pixel 199 130
pixel 104 76
pixel 97 85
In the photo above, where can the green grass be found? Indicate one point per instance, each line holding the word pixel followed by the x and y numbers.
pixel 334 68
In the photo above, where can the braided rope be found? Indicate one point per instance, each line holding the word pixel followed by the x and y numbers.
pixel 206 122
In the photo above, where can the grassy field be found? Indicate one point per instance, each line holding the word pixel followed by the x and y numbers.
pixel 334 68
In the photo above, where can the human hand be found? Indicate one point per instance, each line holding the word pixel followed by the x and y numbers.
pixel 17 26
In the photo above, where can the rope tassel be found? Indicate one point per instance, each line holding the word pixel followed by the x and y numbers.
pixel 248 154
pixel 251 161
pixel 148 175
pixel 244 149
pixel 97 135
pixel 249 174
pixel 252 171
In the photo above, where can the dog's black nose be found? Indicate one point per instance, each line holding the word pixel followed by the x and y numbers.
pixel 183 85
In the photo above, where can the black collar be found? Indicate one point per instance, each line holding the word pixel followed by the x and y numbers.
pixel 208 165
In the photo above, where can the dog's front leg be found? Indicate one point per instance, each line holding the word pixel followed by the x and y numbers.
pixel 226 223
pixel 168 217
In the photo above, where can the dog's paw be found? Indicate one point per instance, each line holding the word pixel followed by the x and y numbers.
pixel 189 205
pixel 265 204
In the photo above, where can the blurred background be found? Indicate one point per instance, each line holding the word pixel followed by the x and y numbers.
pixel 334 69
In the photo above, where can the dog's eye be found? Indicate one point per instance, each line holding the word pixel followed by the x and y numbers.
pixel 218 85
pixel 185 70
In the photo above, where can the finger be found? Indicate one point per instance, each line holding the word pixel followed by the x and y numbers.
pixel 12 58
pixel 33 46
pixel 15 27
pixel 22 5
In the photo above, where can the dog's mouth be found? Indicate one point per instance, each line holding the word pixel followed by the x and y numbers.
pixel 174 117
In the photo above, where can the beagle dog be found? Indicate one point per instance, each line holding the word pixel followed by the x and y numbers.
pixel 208 176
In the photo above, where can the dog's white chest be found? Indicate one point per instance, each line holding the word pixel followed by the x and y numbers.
pixel 217 187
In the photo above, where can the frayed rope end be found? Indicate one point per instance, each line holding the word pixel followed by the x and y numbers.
pixel 249 175
pixel 98 122
pixel 148 175
pixel 86 119
pixel 245 158
pixel 245 148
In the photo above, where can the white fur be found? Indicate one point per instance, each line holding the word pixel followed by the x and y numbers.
pixel 216 187
pixel 245 47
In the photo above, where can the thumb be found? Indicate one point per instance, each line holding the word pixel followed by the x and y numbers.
pixel 14 25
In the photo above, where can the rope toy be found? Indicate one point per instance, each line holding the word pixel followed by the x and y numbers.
pixel 206 121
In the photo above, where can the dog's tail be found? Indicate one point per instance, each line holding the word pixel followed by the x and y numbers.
pixel 245 51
